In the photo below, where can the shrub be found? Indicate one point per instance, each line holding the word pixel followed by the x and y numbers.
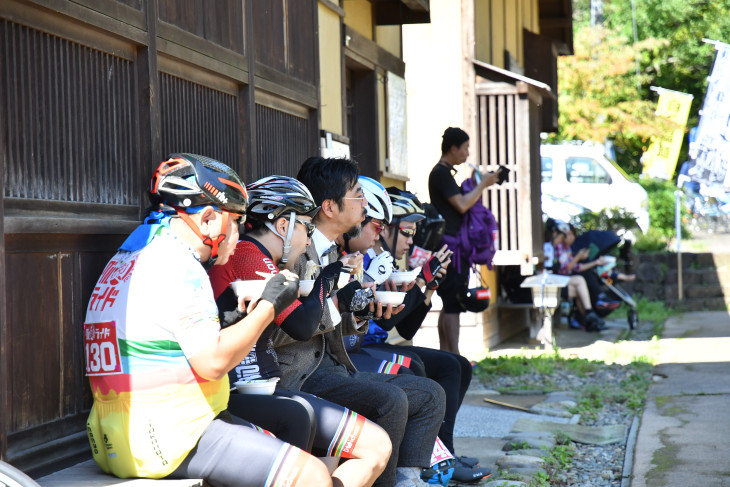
pixel 661 206
pixel 651 241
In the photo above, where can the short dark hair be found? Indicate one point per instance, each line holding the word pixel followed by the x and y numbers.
pixel 328 178
pixel 453 136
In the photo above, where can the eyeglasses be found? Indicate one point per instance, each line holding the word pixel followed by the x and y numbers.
pixel 407 232
pixel 237 218
pixel 360 197
pixel 378 226
pixel 309 225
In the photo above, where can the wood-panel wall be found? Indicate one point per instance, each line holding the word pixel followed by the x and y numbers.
pixel 498 27
pixel 93 95
pixel 509 121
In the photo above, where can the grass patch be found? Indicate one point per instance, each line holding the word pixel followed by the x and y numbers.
pixel 654 312
pixel 631 392
pixel 527 367
pixel 541 364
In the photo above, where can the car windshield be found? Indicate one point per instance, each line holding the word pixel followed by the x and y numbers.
pixel 585 170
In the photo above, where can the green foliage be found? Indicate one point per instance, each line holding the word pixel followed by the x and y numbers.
pixel 521 445
pixel 613 219
pixel 683 62
pixel 600 95
pixel 661 205
pixel 670 54
pixel 540 479
pixel 633 390
pixel 651 241
pixel 590 402
pixel 517 366
pixel 560 457
pixel 656 312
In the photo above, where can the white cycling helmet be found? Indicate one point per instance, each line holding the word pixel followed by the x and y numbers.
pixel 379 204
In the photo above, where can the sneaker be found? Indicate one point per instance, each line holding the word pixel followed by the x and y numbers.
pixel 594 322
pixel 439 474
pixel 575 324
pixel 467 475
pixel 469 462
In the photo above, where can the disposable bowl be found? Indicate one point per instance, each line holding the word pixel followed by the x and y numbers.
pixel 389 297
pixel 343 279
pixel 402 277
pixel 262 387
pixel 305 286
pixel 248 289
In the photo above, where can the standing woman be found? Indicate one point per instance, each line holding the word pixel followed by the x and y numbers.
pixel 448 199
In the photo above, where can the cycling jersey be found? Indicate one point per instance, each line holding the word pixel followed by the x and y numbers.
pixel 151 310
pixel 250 257
pixel 338 428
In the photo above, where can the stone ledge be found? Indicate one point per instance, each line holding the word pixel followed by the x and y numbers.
pixel 88 474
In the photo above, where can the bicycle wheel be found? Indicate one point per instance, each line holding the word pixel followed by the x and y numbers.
pixel 12 477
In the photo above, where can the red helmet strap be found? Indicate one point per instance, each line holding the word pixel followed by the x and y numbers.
pixel 210 242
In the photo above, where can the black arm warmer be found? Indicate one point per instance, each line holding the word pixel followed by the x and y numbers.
pixel 409 325
pixel 228 312
pixel 302 322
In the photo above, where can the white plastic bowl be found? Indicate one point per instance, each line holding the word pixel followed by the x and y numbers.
pixel 390 297
pixel 249 289
pixel 306 286
pixel 262 387
pixel 343 279
pixel 402 277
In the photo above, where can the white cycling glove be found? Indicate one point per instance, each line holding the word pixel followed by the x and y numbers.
pixel 380 268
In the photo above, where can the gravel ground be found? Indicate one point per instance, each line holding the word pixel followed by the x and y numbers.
pixel 592 465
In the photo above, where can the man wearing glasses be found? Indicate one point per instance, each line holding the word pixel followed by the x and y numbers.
pixel 156 356
pixel 279 228
pixel 409 408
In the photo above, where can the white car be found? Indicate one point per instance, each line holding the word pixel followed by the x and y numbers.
pixel 583 175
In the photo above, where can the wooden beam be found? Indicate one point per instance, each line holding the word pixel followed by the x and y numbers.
pixel 4 348
pixel 400 12
pixel 370 51
pixel 334 7
pixel 148 91
pixel 247 100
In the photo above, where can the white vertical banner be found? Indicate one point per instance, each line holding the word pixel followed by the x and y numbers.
pixel 712 150
pixel 397 135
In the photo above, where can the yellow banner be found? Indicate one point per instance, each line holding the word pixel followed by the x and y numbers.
pixel 661 158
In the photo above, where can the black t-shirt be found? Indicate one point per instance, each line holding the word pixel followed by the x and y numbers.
pixel 442 186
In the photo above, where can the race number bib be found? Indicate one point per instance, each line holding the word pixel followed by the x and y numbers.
pixel 101 348
pixel 419 257
pixel 440 453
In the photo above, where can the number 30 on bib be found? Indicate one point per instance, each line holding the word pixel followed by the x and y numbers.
pixel 101 348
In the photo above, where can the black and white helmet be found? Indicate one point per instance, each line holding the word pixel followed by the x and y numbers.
pixel 406 206
pixel 379 205
pixel 190 180
pixel 274 197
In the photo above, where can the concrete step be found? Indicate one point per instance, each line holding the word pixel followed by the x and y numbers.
pixel 88 474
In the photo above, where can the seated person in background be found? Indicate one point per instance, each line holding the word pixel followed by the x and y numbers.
pixel 577 288
pixel 279 215
pixel 409 408
pixel 157 358
pixel 393 217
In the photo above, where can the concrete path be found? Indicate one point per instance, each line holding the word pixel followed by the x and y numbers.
pixel 685 428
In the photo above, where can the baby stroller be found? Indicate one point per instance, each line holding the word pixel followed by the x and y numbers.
pixel 610 295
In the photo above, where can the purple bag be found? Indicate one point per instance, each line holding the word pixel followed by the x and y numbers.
pixel 474 244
